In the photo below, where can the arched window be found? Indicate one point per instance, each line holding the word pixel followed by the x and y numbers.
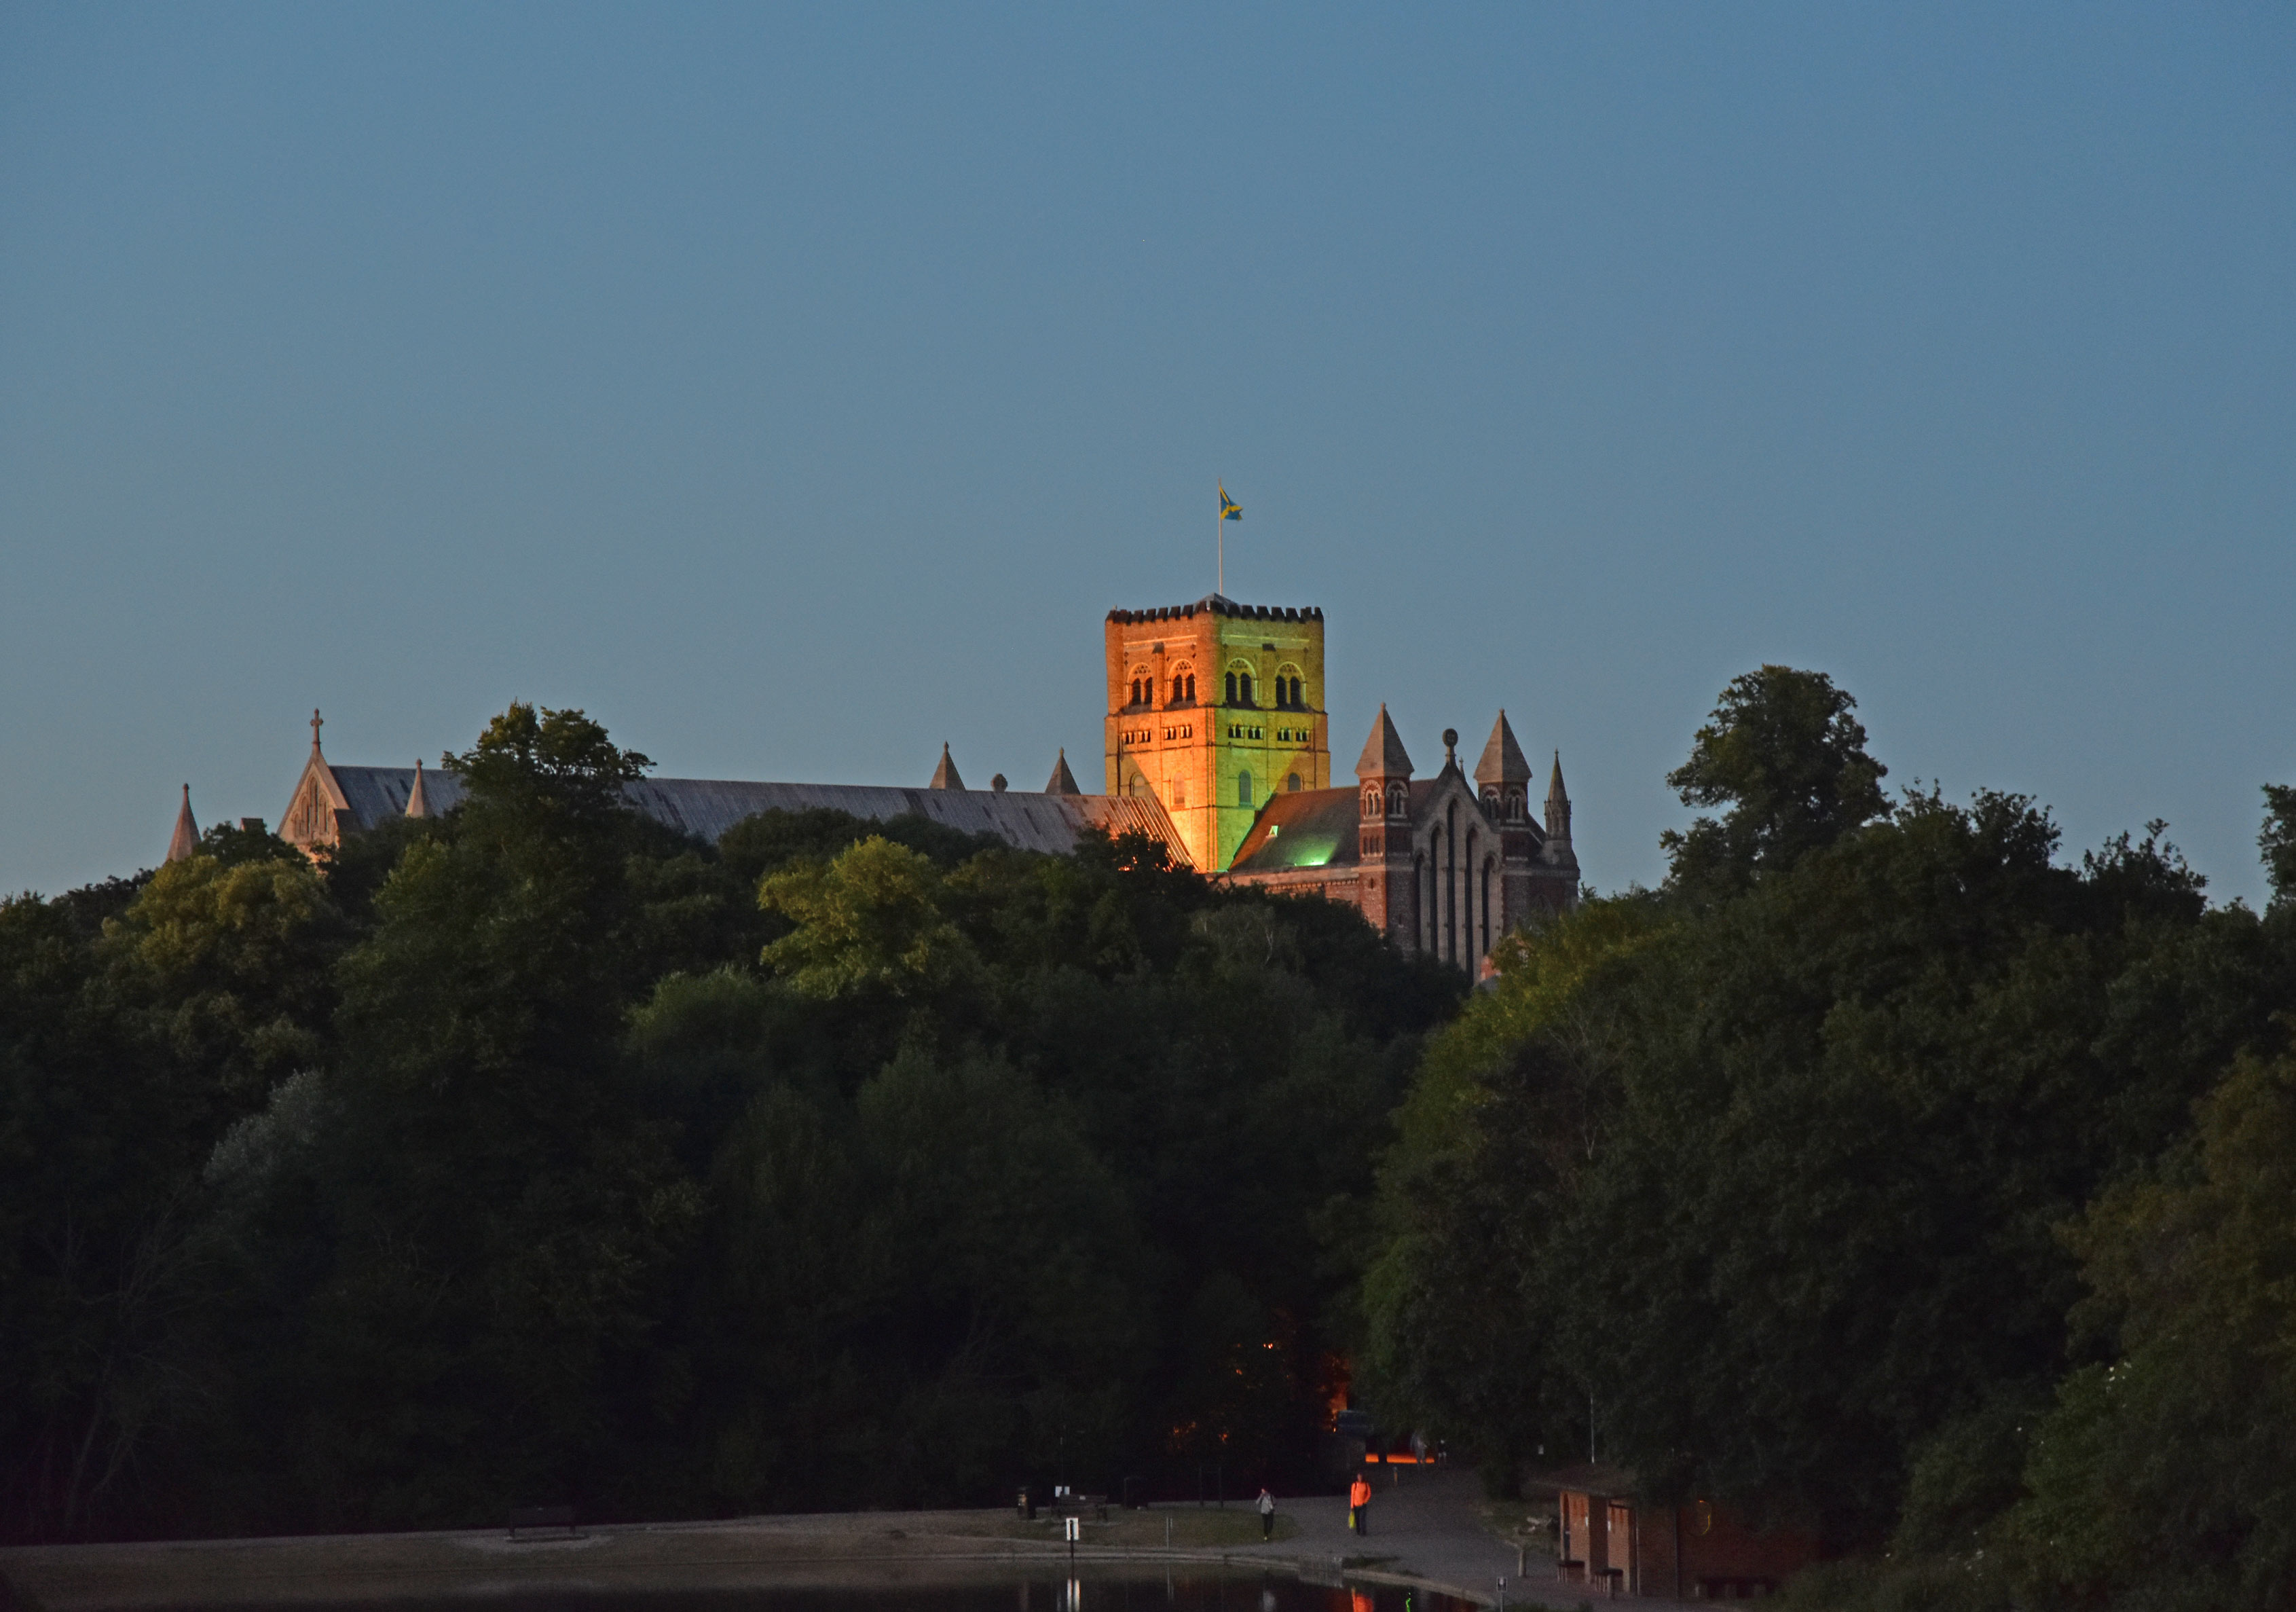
pixel 1243 788
pixel 1191 687
pixel 1231 688
pixel 1243 687
pixel 1299 695
pixel 1370 803
pixel 1292 781
pixel 1287 687
pixel 1184 683
pixel 1396 796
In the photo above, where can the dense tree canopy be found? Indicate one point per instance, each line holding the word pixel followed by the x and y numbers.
pixel 537 1152
pixel 1815 1181
pixel 1888 1170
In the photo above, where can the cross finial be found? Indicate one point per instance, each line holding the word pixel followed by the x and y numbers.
pixel 315 723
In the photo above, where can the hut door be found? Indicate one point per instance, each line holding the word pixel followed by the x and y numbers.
pixel 1621 1554
pixel 1573 1543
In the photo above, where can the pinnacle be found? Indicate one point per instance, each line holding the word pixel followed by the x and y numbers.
pixel 1502 761
pixel 1062 781
pixel 1554 790
pixel 1383 755
pixel 945 775
pixel 185 840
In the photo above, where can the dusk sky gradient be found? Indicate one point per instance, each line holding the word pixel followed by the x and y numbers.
pixel 796 389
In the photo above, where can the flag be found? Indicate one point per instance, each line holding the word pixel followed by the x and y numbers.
pixel 1230 510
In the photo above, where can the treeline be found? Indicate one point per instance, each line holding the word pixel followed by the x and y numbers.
pixel 538 1154
pixel 1883 1174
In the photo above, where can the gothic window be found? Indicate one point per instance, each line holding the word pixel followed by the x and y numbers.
pixel 1231 688
pixel 1243 788
pixel 1292 781
pixel 1192 687
pixel 1243 687
pixel 1287 687
pixel 1396 796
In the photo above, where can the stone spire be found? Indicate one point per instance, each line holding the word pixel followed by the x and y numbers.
pixel 945 775
pixel 416 806
pixel 186 837
pixel 1558 808
pixel 1383 755
pixel 1062 781
pixel 1503 762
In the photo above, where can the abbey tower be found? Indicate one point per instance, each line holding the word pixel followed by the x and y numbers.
pixel 1212 708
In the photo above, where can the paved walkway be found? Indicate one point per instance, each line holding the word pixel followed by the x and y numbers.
pixel 1427 1526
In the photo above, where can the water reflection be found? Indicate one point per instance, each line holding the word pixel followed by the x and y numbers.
pixel 1097 1591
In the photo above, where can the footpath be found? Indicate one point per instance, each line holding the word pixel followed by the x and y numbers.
pixel 1426 1528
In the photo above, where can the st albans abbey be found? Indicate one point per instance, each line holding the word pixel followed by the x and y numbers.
pixel 1218 744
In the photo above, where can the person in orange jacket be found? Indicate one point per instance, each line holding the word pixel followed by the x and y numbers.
pixel 1359 1504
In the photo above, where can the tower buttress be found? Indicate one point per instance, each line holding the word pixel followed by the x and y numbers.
pixel 1389 883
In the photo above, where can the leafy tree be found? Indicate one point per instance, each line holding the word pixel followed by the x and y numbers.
pixel 531 764
pixel 1783 754
pixel 2167 1476
pixel 870 920
pixel 2277 840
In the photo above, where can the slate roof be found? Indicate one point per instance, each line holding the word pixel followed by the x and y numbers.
pixel 1317 828
pixel 706 808
pixel 1301 828
pixel 373 794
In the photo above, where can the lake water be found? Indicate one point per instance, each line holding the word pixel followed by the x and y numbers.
pixel 1094 1592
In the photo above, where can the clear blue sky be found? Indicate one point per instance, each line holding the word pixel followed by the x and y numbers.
pixel 795 389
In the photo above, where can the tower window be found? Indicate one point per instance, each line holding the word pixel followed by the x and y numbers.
pixel 1191 685
pixel 1292 782
pixel 1231 688
pixel 1243 687
pixel 1243 788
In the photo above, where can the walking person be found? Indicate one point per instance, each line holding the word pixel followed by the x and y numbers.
pixel 1267 1514
pixel 1359 1505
